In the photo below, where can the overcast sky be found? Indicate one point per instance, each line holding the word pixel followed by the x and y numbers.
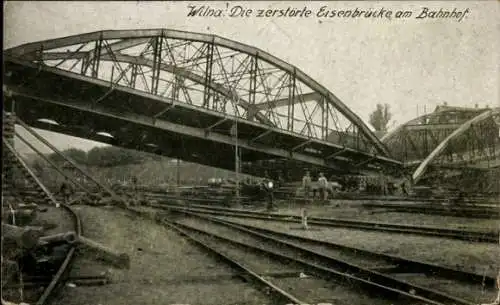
pixel 403 63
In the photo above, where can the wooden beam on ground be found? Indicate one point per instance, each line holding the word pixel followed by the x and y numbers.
pixel 68 237
pixel 120 260
pixel 26 238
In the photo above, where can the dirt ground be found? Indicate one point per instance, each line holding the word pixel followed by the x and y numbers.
pixel 165 269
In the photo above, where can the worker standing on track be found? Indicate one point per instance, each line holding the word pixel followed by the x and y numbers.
pixel 135 198
pixel 323 186
pixel 66 191
pixel 134 184
pixel 383 183
pixel 306 185
pixel 404 186
pixel 281 181
pixel 268 186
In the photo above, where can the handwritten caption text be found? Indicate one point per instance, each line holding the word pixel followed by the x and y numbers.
pixel 324 12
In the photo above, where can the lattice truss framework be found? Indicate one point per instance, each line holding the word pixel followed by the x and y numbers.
pixel 209 72
pixel 449 137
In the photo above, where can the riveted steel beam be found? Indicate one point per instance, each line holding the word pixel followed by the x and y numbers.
pixel 301 145
pixel 306 97
pixel 179 129
pixel 336 154
pixel 209 128
pixel 431 127
pixel 260 136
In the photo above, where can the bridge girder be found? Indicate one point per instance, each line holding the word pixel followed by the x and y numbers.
pixel 413 141
pixel 215 128
pixel 208 64
pixel 486 145
pixel 181 76
pixel 450 138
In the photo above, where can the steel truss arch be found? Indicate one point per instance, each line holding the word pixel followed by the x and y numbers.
pixel 207 65
pixel 414 140
pixel 440 111
pixel 460 131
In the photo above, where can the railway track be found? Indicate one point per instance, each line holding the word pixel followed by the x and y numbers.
pixel 467 235
pixel 384 263
pixel 457 211
pixel 58 278
pixel 379 275
pixel 250 245
pixel 357 269
pixel 254 263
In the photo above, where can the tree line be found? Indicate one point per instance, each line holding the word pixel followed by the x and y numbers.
pixel 106 156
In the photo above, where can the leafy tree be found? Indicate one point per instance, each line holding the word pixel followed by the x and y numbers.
pixel 38 166
pixel 75 154
pixel 113 156
pixel 380 117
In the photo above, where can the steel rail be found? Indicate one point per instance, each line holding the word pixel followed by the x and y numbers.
pixel 364 278
pixel 83 172
pixel 459 207
pixel 387 282
pixel 279 295
pixel 401 264
pixel 457 211
pixel 58 278
pixel 321 270
pixel 470 236
pixel 29 171
pixel 52 163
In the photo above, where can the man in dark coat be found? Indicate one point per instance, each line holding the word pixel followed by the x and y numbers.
pixel 268 187
pixel 66 191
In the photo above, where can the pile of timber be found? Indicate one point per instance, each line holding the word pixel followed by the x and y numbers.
pixel 18 238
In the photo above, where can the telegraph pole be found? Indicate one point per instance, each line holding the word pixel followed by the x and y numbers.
pixel 234 132
pixel 237 167
pixel 178 173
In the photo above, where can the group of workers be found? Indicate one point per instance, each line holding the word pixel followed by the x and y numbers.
pixel 323 186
